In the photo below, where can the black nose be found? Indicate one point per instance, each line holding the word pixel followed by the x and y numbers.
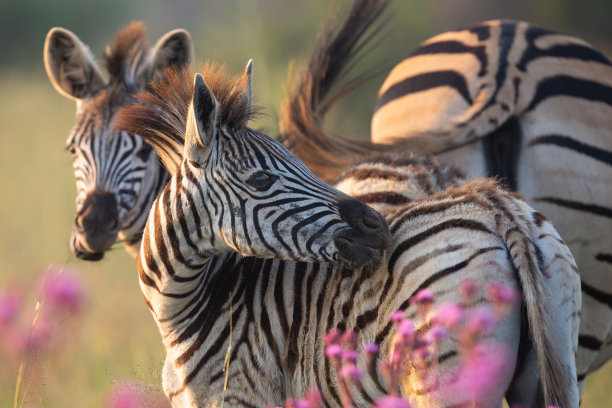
pixel 97 221
pixel 370 228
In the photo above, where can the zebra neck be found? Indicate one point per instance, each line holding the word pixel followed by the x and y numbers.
pixel 132 231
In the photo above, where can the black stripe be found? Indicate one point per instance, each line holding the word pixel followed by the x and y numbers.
pixel 577 205
pixel 412 241
pixel 423 82
pixel 570 86
pixel 604 257
pixel 455 47
pixel 589 342
pixel 596 294
pixel 567 142
pixel 565 51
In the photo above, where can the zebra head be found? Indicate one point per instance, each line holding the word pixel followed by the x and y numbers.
pixel 117 175
pixel 234 188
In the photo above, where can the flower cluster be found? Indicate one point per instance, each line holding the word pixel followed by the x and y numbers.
pixel 409 365
pixel 28 335
pixel 135 394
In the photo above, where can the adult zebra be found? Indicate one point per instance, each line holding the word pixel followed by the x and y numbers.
pixel 117 175
pixel 534 107
pixel 436 116
pixel 236 193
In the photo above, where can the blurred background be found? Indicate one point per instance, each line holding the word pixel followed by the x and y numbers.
pixel 114 338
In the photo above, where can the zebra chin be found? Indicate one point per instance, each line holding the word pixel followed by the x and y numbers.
pixel 356 254
pixel 90 251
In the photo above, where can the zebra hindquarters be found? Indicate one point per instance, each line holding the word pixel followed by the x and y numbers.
pixel 564 173
pixel 438 250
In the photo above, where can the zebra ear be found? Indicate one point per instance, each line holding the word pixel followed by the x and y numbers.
pixel 201 120
pixel 174 48
pixel 248 77
pixel 70 66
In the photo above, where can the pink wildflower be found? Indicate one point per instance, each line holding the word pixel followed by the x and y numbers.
pixel 423 296
pixel 333 336
pixel 405 328
pixel 392 402
pixel 468 290
pixel 312 398
pixel 351 371
pixel 350 355
pixel 349 338
pixel 371 348
pixel 133 394
pixel 482 369
pixel 333 350
pixel 449 315
pixel 481 322
pixel 64 289
pixel 436 334
pixel 9 307
pixel 397 316
pixel 502 294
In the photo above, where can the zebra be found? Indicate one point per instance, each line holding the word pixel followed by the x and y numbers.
pixel 383 177
pixel 117 175
pixel 511 99
pixel 436 116
pixel 227 263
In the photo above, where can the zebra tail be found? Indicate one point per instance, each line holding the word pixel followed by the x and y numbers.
pixel 517 232
pixel 317 87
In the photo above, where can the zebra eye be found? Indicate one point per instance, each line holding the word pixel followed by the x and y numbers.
pixel 144 152
pixel 71 148
pixel 261 180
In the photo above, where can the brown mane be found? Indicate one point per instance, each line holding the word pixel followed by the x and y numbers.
pixel 127 51
pixel 159 112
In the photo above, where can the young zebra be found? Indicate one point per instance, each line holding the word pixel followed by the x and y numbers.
pixel 235 194
pixel 534 107
pixel 117 175
pixel 305 108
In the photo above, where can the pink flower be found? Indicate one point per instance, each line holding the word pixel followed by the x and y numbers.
pixel 64 289
pixel 350 355
pixel 449 315
pixel 392 402
pixel 481 322
pixel 351 371
pixel 313 398
pixel 371 348
pixel 349 338
pixel 397 316
pixel 333 336
pixel 9 307
pixel 468 290
pixel 436 334
pixel 502 294
pixel 333 350
pixel 405 328
pixel 133 394
pixel 423 296
pixel 481 370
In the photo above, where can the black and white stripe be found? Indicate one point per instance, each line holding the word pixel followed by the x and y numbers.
pixel 534 107
pixel 202 272
pixel 117 175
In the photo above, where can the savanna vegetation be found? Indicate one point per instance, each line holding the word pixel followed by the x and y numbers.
pixel 110 337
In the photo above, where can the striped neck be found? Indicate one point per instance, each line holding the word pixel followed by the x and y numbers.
pixel 132 232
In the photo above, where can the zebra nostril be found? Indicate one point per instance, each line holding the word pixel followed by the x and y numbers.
pixel 372 222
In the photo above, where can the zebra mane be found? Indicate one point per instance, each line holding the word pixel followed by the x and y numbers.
pixel 126 54
pixel 159 112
